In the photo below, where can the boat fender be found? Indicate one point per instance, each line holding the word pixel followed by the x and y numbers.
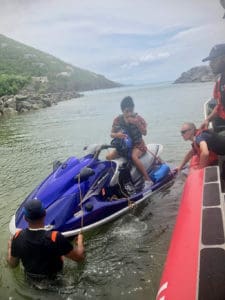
pixel 158 174
pixel 89 207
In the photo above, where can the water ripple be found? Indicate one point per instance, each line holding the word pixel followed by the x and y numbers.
pixel 125 258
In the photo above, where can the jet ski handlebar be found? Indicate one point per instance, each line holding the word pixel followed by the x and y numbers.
pixel 96 149
pixel 102 147
pixel 106 146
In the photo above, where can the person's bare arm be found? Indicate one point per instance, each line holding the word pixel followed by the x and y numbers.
pixel 115 132
pixel 119 135
pixel 205 124
pixel 12 261
pixel 139 122
pixel 204 154
pixel 77 254
pixel 186 159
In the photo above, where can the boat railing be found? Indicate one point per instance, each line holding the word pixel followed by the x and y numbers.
pixel 208 109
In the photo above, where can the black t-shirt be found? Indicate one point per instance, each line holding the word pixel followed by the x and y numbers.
pixel 38 253
pixel 214 141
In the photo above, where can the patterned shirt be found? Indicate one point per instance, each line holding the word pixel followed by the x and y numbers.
pixel 134 130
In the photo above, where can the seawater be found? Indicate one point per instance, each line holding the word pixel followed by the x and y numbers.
pixel 124 259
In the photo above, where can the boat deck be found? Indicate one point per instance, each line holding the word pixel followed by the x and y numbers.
pixel 195 264
pixel 212 240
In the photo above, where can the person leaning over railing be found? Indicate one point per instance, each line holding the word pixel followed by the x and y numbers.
pixel 206 144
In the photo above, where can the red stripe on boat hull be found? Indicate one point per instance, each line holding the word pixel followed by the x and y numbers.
pixel 180 275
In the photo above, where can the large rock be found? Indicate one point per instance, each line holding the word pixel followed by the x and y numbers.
pixel 35 106
pixel 196 74
pixel 1 106
pixel 11 102
pixel 9 111
pixel 23 105
pixel 21 97
pixel 47 102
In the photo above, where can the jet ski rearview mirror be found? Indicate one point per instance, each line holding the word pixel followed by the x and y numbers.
pixel 84 174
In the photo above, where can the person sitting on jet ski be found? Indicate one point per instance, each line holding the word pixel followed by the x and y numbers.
pixel 133 125
pixel 206 145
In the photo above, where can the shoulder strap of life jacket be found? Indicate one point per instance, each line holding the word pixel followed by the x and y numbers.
pixel 121 121
pixel 216 92
pixel 17 233
pixel 54 236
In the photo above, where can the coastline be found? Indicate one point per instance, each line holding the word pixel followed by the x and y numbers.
pixel 15 104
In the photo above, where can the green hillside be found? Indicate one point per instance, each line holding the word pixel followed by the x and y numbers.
pixel 20 64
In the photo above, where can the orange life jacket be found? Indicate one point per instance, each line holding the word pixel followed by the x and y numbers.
pixel 53 234
pixel 217 95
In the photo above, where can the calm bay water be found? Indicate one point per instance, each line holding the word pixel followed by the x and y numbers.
pixel 124 259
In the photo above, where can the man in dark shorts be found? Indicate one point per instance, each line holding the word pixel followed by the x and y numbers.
pixel 40 250
pixel 206 144
pixel 133 125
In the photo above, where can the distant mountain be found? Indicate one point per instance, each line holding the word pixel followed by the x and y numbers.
pixel 196 74
pixel 43 71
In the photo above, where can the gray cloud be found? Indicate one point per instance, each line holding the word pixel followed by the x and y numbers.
pixel 125 40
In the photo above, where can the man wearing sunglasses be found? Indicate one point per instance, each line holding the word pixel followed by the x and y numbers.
pixel 206 144
pixel 216 60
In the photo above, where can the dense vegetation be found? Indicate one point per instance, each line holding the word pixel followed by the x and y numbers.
pixel 11 84
pixel 17 59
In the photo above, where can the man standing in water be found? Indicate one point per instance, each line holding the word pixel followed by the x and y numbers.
pixel 133 125
pixel 39 250
pixel 217 63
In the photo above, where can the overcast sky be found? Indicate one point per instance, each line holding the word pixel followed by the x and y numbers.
pixel 129 41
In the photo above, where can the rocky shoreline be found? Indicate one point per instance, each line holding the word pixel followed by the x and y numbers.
pixel 196 74
pixel 21 103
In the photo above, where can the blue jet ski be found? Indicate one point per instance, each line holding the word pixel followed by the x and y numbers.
pixel 84 193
